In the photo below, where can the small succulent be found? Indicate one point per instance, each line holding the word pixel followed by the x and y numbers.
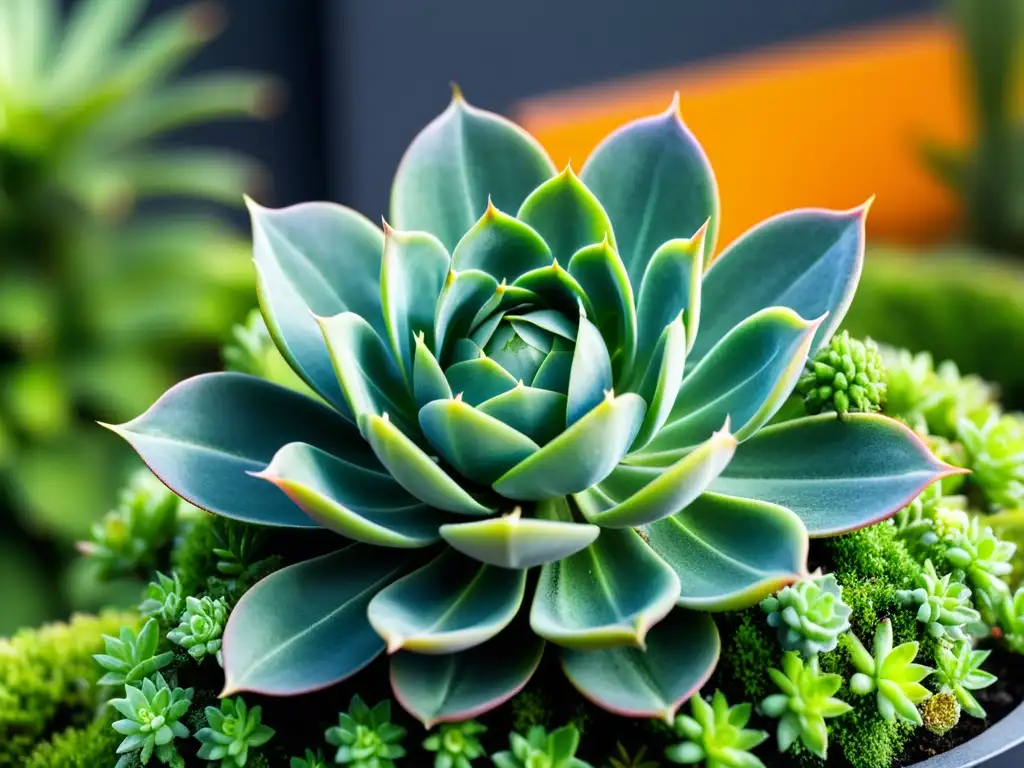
pixel 237 546
pixel 940 713
pixel 809 615
pixel 127 539
pixel 623 758
pixel 130 657
pixel 932 517
pixel 717 735
pixel 456 744
pixel 232 731
pixel 846 376
pixel 310 760
pixel 164 598
pixel 995 452
pixel 889 673
pixel 523 368
pixel 365 737
pixel 201 626
pixel 152 714
pixel 540 749
pixel 807 699
pixel 958 671
pixel 984 557
pixel 1011 620
pixel 944 604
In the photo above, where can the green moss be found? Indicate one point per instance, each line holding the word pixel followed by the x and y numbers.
pixel 529 708
pixel 750 650
pixel 49 675
pixel 90 746
pixel 193 558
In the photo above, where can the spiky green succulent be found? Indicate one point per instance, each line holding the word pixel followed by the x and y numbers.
pixel 151 721
pixel 231 732
pixel 995 451
pixel 943 604
pixel 716 735
pixel 512 370
pixel 846 376
pixel 958 671
pixel 164 599
pixel 624 758
pixel 1011 619
pixel 310 759
pixel 809 616
pixel 540 749
pixel 984 557
pixel 237 547
pixel 201 626
pixel 940 713
pixel 890 674
pixel 129 658
pixel 806 700
pixel 457 744
pixel 365 737
pixel 932 517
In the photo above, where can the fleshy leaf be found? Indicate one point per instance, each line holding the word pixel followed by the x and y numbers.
pixel 808 260
pixel 730 553
pixel 553 374
pixel 656 184
pixel 415 471
pixel 548 320
pixel 441 689
pixel 463 296
pixel 414 269
pixel 513 541
pixel 635 496
pixel 450 604
pixel 581 456
pixel 519 349
pixel 567 215
pixel 836 474
pixel 461 159
pixel 304 627
pixel 315 259
pixel 479 380
pixel 537 413
pixel 428 380
pixel 501 246
pixel 607 595
pixel 479 446
pixel 659 387
pixel 557 288
pixel 681 653
pixel 746 378
pixel 360 504
pixel 201 440
pixel 590 376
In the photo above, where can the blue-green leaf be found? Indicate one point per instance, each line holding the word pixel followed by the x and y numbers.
pixel 537 413
pixel 450 604
pixel 441 689
pixel 479 380
pixel 656 184
pixel 414 269
pixel 581 456
pixel 808 260
pixel 548 320
pixel 479 446
pixel 590 377
pixel 463 296
pixel 681 653
pixel 836 474
pixel 519 350
pixel 304 627
pixel 600 272
pixel 556 288
pixel 201 439
pixel 659 387
pixel 501 246
pixel 461 159
pixel 428 380
pixel 553 374
pixel 730 553
pixel 607 595
pixel 567 215
pixel 315 259
pixel 360 504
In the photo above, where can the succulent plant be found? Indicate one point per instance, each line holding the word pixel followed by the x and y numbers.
pixel 889 673
pixel 201 626
pixel 958 671
pixel 809 615
pixel 1011 619
pixel 512 368
pixel 540 749
pixel 130 657
pixel 995 451
pixel 237 547
pixel 623 758
pixel 310 760
pixel 932 517
pixel 164 598
pixel 940 713
pixel 716 735
pixel 944 604
pixel 846 376
pixel 984 557
pixel 806 701
pixel 365 737
pixel 232 731
pixel 251 350
pixel 456 744
pixel 152 714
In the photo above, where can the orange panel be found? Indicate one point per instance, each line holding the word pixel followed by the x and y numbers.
pixel 823 123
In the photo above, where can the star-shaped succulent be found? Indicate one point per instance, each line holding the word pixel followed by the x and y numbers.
pixel 959 672
pixel 889 673
pixel 540 749
pixel 717 735
pixel 130 657
pixel 809 616
pixel 152 713
pixel 944 604
pixel 365 737
pixel 232 731
pixel 201 626
pixel 457 744
pixel 164 599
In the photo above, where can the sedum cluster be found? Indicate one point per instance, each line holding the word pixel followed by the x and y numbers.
pixel 846 376
pixel 809 616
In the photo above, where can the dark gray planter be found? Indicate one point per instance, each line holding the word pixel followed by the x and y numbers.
pixel 1001 746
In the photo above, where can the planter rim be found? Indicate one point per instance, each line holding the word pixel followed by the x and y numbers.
pixel 994 741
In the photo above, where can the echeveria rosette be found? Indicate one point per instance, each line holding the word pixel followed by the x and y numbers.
pixel 150 723
pixel 456 745
pixel 531 369
pixel 130 658
pixel 890 674
pixel 232 731
pixel 716 735
pixel 809 616
pixel 943 604
pixel 958 671
pixel 366 737
pixel 200 627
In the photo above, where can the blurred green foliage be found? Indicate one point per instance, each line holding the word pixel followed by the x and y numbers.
pixel 105 298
